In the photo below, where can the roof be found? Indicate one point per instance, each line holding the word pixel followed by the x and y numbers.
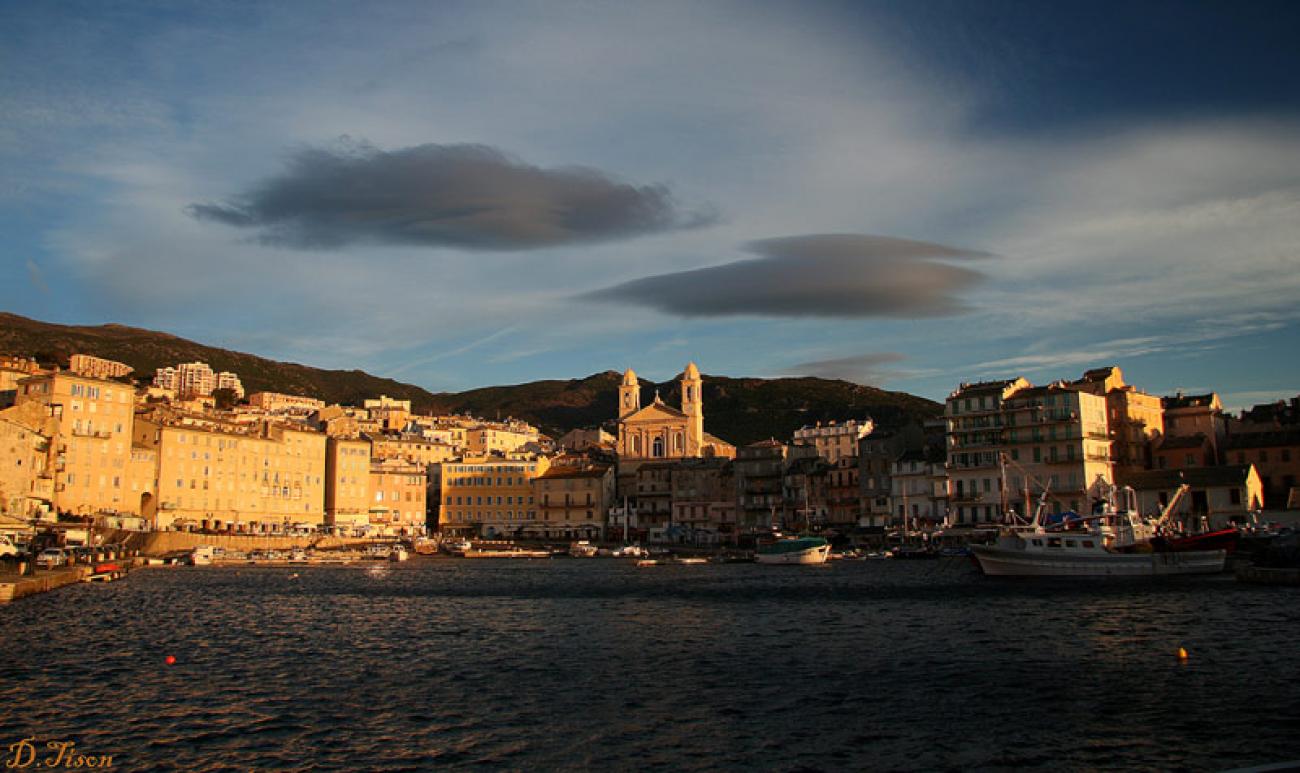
pixel 1189 401
pixel 555 473
pixel 1285 437
pixel 1190 441
pixel 1196 477
pixel 984 387
pixel 715 440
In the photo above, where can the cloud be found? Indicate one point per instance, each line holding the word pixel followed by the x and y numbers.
pixel 472 197
pixel 815 275
pixel 861 368
pixel 36 276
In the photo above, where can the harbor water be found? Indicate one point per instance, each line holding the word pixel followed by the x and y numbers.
pixel 575 664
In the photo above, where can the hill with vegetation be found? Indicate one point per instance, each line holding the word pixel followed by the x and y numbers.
pixel 738 410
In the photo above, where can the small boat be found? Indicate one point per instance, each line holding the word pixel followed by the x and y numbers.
pixel 506 553
pixel 914 553
pixel 398 553
pixel 458 547
pixel 582 549
pixel 794 550
pixel 631 551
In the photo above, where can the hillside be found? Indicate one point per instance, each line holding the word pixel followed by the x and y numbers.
pixel 739 410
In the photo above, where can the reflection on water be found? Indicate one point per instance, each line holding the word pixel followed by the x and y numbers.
pixel 546 664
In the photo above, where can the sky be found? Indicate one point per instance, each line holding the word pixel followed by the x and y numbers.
pixel 904 194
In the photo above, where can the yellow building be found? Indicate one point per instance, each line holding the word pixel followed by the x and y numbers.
pixel 658 431
pixel 414 449
pixel 92 447
pixel 489 496
pixel 398 489
pixel 97 367
pixel 1135 419
pixel 571 502
pixel 262 478
pixel 389 414
pixel 276 402
pixel 347 484
pixel 26 480
pixel 834 440
pixel 1058 438
pixel 488 439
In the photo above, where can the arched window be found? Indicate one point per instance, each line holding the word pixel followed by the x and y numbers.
pixel 690 393
pixel 658 447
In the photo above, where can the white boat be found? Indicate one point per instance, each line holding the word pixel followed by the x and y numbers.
pixel 1113 543
pixel 398 553
pixel 202 555
pixel 458 547
pixel 795 550
pixel 631 551
pixel 582 549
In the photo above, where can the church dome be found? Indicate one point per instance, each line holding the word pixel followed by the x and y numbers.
pixel 629 377
pixel 692 372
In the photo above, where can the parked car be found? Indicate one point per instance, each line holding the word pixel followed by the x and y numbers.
pixel 52 557
pixel 8 547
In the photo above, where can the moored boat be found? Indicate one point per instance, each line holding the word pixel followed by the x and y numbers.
pixel 794 550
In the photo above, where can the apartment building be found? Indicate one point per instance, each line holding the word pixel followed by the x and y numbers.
pixel 97 367
pixel 221 475
pixel 91 448
pixel 974 413
pixel 26 477
pixel 277 402
pixel 489 496
pixel 347 484
pixel 758 468
pixel 571 501
pixel 834 440
pixel 397 491
pixel 703 495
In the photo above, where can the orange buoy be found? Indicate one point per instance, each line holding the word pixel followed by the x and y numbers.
pixel 1182 654
pixel 171 660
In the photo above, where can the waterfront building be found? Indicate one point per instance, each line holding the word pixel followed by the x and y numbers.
pixel 223 475
pixel 1276 457
pixel 347 484
pixel 1219 495
pixel 572 499
pixel 758 470
pixel 974 413
pixel 489 496
pixel 92 443
pixel 653 494
pixel 919 497
pixel 805 485
pixel 1135 419
pixel 276 402
pixel 844 494
pixel 703 494
pixel 834 440
pixel 26 476
pixel 876 455
pixel 397 490
pixel 97 367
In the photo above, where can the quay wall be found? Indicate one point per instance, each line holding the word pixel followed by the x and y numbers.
pixel 157 543
pixel 30 586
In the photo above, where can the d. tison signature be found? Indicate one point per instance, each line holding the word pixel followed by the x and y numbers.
pixel 62 754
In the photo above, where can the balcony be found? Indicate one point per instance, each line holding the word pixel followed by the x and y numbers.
pixel 102 434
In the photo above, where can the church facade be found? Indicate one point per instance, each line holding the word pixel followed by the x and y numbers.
pixel 659 431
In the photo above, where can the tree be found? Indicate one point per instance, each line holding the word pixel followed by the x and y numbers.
pixel 225 398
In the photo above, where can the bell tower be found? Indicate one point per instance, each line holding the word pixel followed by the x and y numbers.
pixel 693 407
pixel 629 394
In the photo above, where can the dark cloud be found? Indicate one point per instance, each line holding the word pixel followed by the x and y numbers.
pixel 862 368
pixel 465 196
pixel 818 275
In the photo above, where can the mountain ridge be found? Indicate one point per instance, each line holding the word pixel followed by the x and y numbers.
pixel 739 410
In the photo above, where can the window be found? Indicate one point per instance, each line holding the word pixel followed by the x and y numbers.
pixel 1234 496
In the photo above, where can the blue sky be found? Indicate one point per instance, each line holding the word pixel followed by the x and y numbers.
pixel 907 194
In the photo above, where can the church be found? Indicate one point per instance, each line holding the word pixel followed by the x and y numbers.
pixel 659 431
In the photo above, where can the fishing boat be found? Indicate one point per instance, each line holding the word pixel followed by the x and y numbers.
pixel 794 550
pixel 1115 542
